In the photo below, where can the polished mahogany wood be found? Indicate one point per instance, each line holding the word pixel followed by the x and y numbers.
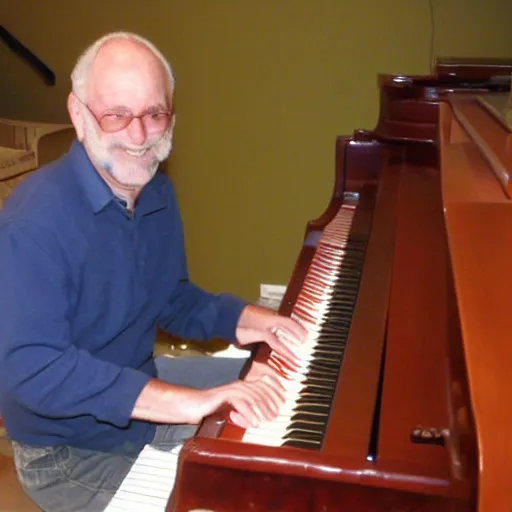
pixel 415 379
pixel 233 490
pixel 351 422
pixel 409 105
pixel 479 234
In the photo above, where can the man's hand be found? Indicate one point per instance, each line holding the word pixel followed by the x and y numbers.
pixel 256 399
pixel 283 334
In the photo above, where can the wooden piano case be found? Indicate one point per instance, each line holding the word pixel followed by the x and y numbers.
pixel 419 419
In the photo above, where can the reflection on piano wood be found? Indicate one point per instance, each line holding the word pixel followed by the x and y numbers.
pixel 413 414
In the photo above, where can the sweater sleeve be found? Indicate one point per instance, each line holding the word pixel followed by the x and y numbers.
pixel 40 366
pixel 191 312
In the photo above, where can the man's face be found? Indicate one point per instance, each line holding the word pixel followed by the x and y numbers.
pixel 131 165
pixel 130 155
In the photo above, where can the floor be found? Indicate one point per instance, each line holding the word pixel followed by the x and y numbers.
pixel 12 498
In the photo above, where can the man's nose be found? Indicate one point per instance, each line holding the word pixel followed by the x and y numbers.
pixel 137 131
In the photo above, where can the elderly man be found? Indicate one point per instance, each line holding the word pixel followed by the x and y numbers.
pixel 92 262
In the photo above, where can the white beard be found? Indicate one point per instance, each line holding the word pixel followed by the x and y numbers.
pixel 134 173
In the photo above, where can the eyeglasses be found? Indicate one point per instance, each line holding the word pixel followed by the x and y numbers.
pixel 154 122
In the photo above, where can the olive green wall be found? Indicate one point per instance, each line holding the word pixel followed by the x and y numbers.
pixel 263 88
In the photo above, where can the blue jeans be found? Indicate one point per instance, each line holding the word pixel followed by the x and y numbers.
pixel 69 479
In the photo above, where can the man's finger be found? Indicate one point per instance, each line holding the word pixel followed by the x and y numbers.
pixel 292 352
pixel 285 336
pixel 291 331
pixel 276 393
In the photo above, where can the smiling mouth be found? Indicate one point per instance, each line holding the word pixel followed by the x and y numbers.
pixel 138 154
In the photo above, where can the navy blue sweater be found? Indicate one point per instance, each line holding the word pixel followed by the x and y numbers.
pixel 83 285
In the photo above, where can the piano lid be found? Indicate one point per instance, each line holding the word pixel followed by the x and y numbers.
pixel 500 105
pixel 487 120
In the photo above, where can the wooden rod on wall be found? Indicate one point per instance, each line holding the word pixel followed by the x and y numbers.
pixel 22 51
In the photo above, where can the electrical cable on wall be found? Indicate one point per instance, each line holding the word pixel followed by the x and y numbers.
pixel 432 36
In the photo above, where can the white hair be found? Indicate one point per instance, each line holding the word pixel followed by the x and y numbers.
pixel 80 73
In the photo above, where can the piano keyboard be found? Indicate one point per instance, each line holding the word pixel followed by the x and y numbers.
pixel 324 306
pixel 148 485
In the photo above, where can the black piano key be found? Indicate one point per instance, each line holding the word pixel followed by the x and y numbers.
pixel 324 386
pixel 315 404
pixel 322 365
pixel 324 350
pixel 310 399
pixel 332 341
pixel 311 390
pixel 328 348
pixel 318 400
pixel 337 311
pixel 327 354
pixel 322 370
pixel 334 327
pixel 301 435
pixel 321 389
pixel 319 377
pixel 304 431
pixel 322 360
pixel 340 302
pixel 306 428
pixel 310 418
pixel 311 387
pixel 310 395
pixel 314 409
pixel 301 443
pixel 321 385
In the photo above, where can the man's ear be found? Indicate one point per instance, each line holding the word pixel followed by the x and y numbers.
pixel 76 116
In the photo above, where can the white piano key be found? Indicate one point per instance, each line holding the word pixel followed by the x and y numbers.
pixel 250 438
pixel 149 482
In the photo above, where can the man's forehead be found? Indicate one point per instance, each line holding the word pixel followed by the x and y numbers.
pixel 129 93
pixel 134 80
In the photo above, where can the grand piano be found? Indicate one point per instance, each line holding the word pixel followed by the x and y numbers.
pixel 404 282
